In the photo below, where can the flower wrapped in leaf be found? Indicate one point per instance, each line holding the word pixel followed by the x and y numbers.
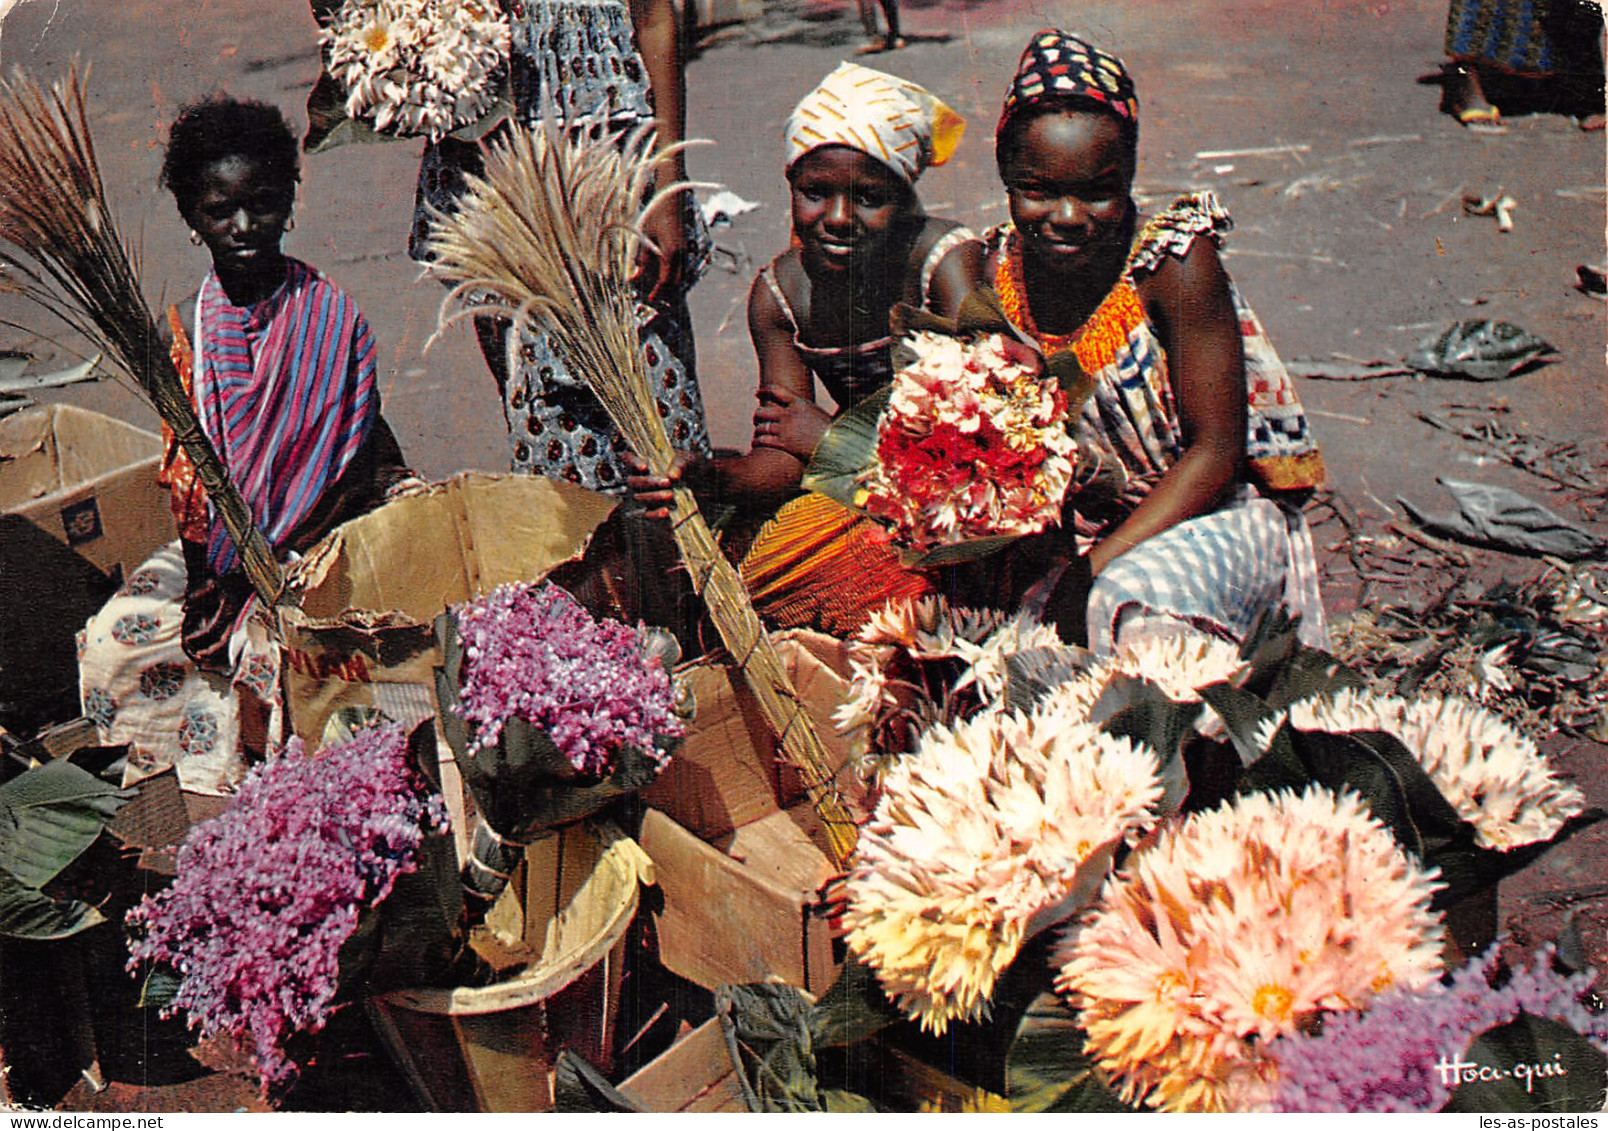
pixel 1393 1058
pixel 270 893
pixel 1238 926
pixel 1494 776
pixel 551 715
pixel 417 68
pixel 991 830
pixel 968 449
pixel 922 661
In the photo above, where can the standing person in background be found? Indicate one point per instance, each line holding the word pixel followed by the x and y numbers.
pixel 868 18
pixel 1558 42
pixel 617 63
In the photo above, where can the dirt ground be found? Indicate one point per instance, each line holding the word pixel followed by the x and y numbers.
pixel 1351 237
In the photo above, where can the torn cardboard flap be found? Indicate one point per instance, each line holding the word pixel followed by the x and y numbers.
pixel 371 590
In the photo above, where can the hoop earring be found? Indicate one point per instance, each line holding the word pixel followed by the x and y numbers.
pixel 195 237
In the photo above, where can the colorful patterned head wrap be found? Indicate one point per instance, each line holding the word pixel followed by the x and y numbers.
pixel 885 117
pixel 1058 65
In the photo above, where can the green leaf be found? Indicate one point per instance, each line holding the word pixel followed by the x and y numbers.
pixel 958 553
pixel 28 913
pixel 1384 772
pixel 769 1038
pixel 1242 713
pixel 1139 710
pixel 1534 1065
pixel 840 1102
pixel 1467 868
pixel 1031 673
pixel 579 1087
pixel 853 1009
pixel 1075 381
pixel 160 987
pixel 1046 1069
pixel 1278 767
pixel 49 816
pixel 848 448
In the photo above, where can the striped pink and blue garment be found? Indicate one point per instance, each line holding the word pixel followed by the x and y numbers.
pixel 286 392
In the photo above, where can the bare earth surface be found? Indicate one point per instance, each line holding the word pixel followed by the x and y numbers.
pixel 1351 240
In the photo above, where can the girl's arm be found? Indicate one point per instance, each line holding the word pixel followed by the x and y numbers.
pixel 768 473
pixel 1189 303
pixel 959 273
pixel 658 36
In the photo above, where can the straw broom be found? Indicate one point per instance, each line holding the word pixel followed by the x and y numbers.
pixel 550 233
pixel 60 249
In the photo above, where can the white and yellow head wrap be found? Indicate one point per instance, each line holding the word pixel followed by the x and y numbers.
pixel 883 116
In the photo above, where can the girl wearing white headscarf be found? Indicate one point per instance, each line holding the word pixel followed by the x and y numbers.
pixel 819 318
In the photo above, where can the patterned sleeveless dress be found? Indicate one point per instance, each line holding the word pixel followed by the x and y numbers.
pixel 580 58
pixel 1221 571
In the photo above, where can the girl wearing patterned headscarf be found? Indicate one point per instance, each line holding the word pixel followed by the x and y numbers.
pixel 819 318
pixel 1202 451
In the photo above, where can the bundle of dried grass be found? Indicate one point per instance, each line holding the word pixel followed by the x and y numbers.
pixel 551 232
pixel 62 251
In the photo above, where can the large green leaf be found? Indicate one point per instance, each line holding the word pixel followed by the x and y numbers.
pixel 1379 768
pixel 49 816
pixel 1046 1069
pixel 1532 1064
pixel 1029 674
pixel 1466 867
pixel 1139 710
pixel 28 913
pixel 771 1044
pixel 847 449
pixel 1242 713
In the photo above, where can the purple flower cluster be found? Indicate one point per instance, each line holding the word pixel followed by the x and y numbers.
pixel 532 652
pixel 1385 1060
pixel 267 892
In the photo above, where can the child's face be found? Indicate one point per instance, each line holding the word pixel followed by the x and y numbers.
pixel 240 212
pixel 1068 179
pixel 846 206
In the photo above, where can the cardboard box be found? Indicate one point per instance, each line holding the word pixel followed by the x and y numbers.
pixel 80 508
pixel 369 593
pixel 727 772
pixel 693 1075
pixel 741 909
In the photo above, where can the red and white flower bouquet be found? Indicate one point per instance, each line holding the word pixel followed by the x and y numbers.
pixel 971 449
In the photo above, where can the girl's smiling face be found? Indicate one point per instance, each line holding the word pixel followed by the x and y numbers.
pixel 847 207
pixel 1068 175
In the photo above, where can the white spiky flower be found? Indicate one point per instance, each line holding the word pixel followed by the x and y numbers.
pixel 907 632
pixel 417 67
pixel 984 827
pixel 1494 776
pixel 1241 924
pixel 988 670
pixel 1180 663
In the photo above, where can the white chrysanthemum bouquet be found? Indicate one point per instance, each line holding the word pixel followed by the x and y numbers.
pixel 418 68
pixel 991 827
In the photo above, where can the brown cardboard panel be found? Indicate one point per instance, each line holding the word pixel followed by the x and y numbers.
pixel 726 772
pixel 733 921
pixel 692 1075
